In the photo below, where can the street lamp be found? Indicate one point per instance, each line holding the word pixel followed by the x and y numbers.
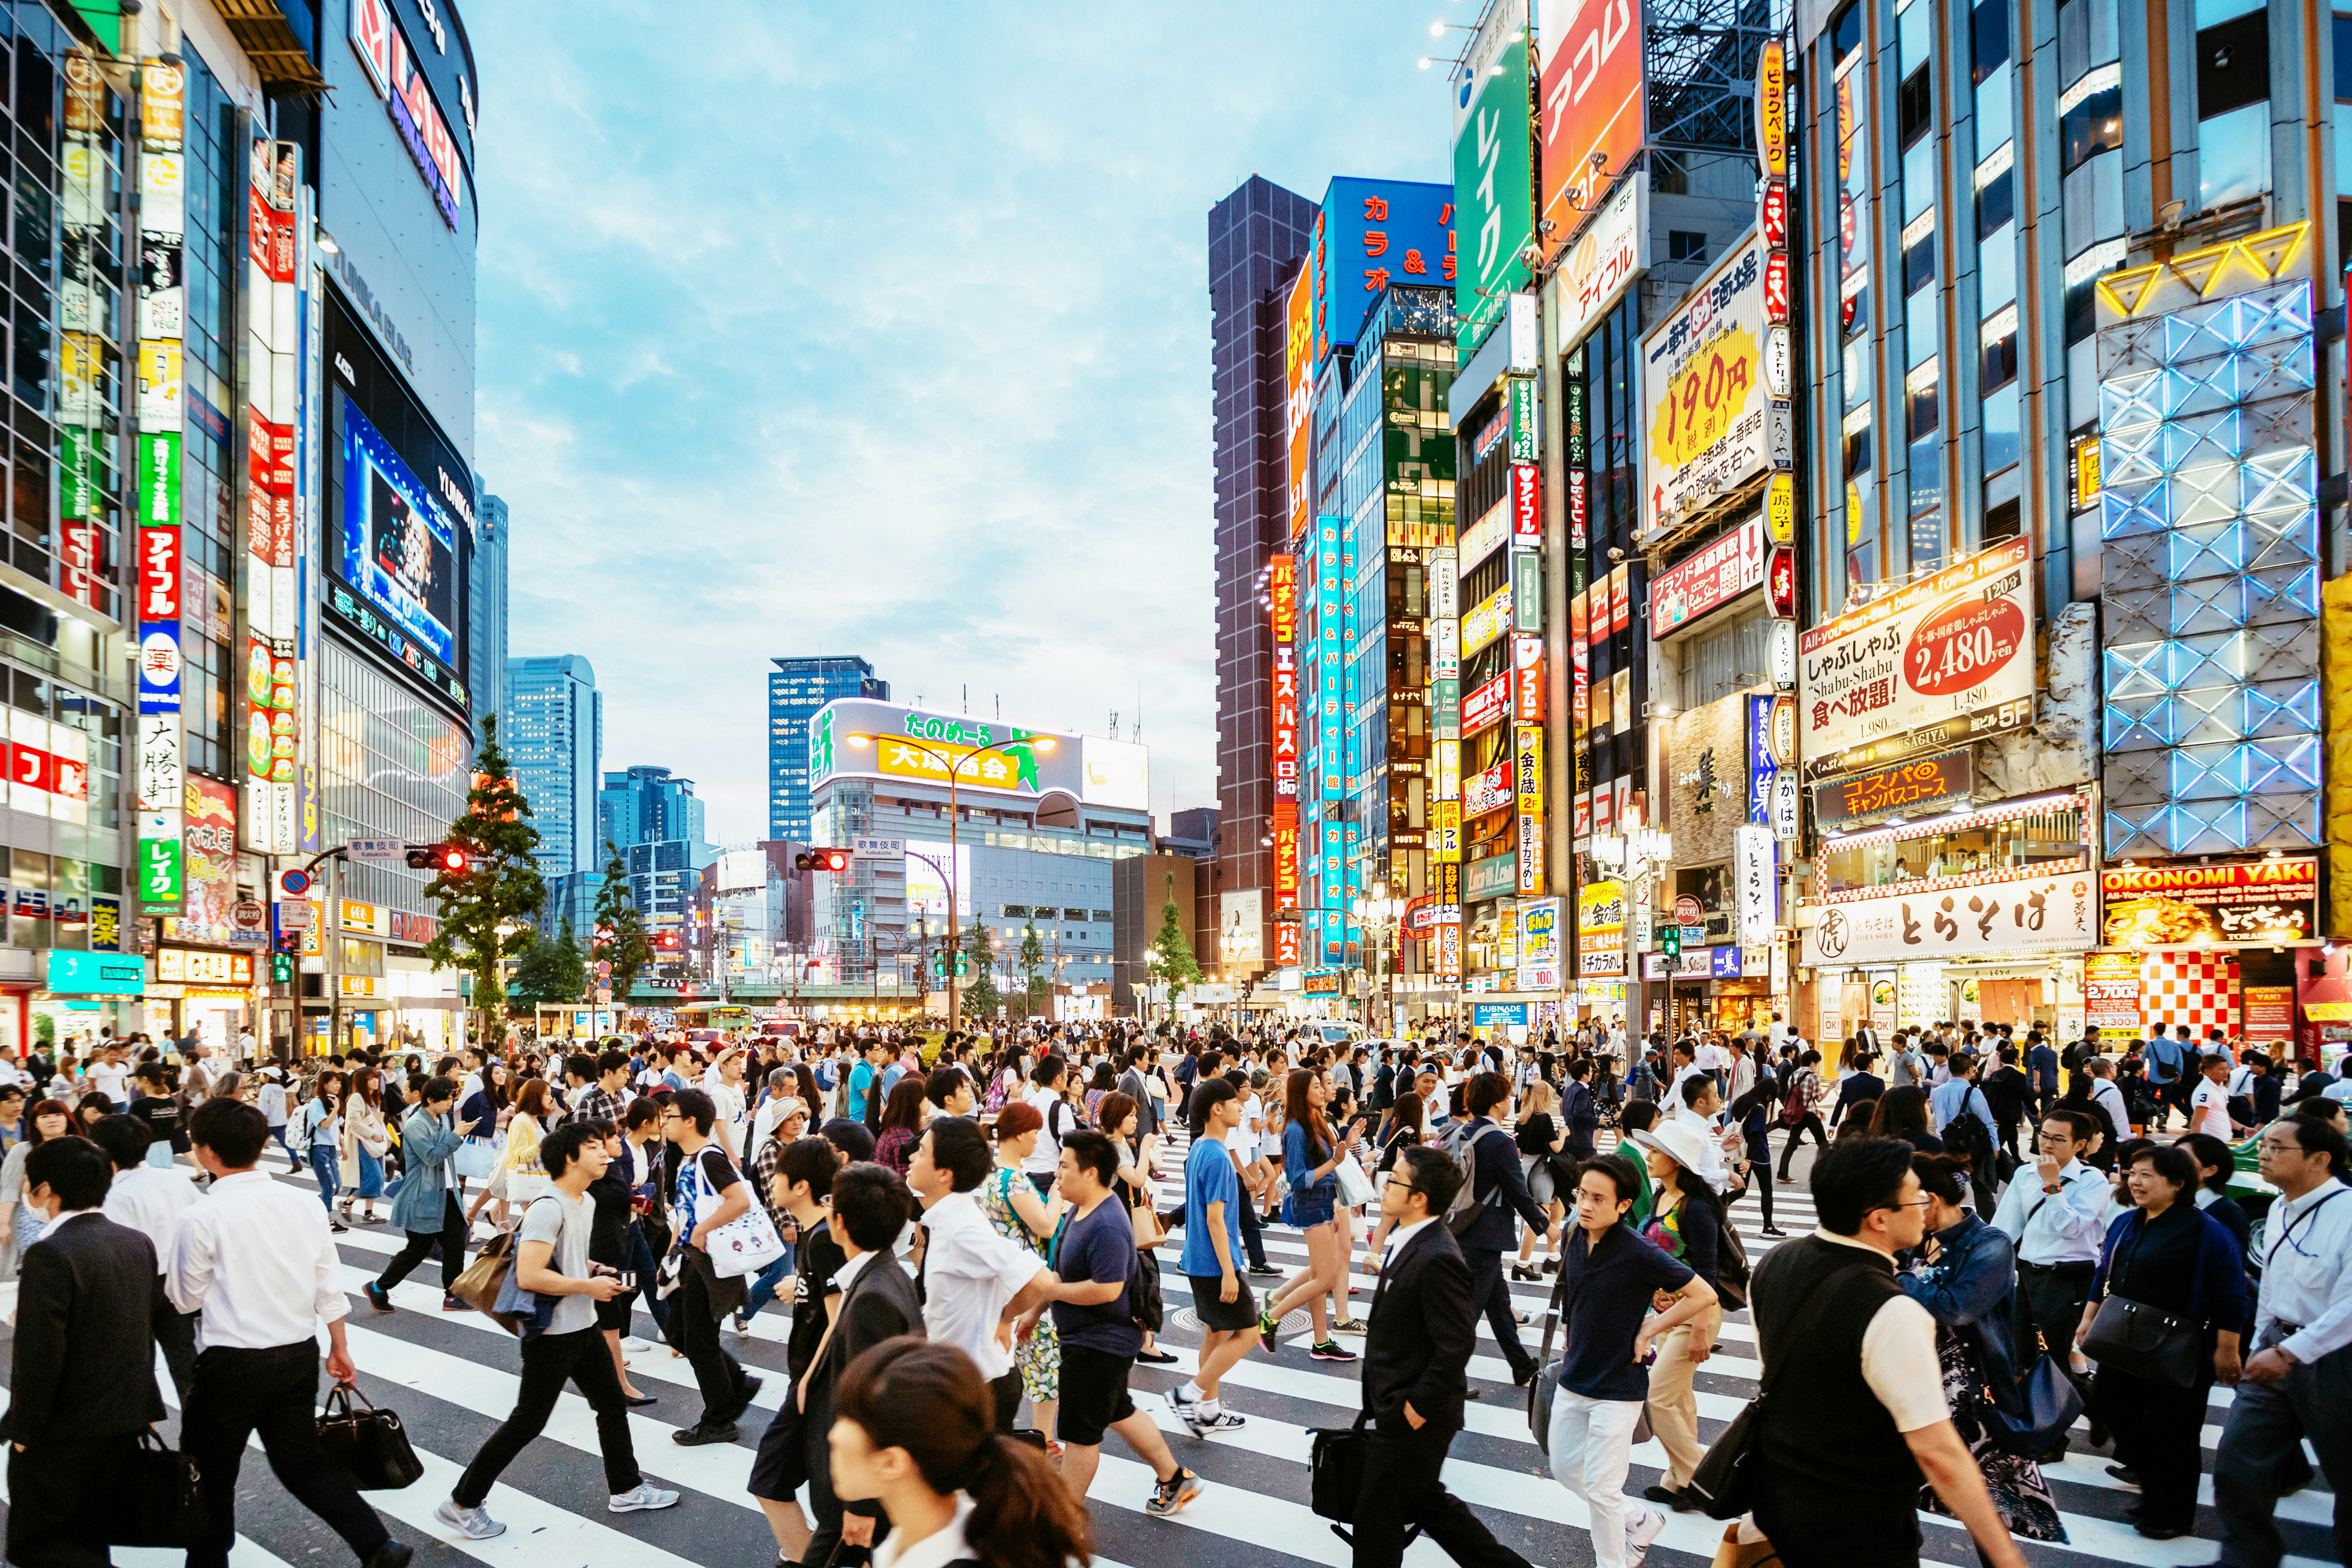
pixel 1636 852
pixel 956 764
pixel 1379 915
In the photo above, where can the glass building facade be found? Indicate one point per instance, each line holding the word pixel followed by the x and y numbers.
pixel 796 690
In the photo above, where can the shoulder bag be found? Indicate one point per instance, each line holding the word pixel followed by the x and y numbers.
pixel 1335 1478
pixel 744 1244
pixel 2144 1342
pixel 1725 1479
pixel 1546 1385
pixel 157 1500
pixel 368 1445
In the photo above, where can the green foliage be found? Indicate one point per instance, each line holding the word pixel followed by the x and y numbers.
pixel 552 972
pixel 45 1029
pixel 1032 960
pixel 981 997
pixel 620 940
pixel 486 912
pixel 1174 963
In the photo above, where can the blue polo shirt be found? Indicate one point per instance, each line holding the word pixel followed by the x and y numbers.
pixel 1210 1178
pixel 1608 1288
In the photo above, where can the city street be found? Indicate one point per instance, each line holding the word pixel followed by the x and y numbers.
pixel 451 1377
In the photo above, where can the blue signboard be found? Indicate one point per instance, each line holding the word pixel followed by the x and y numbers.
pixel 1491 1014
pixel 1373 233
pixel 1723 962
pixel 1762 768
pixel 96 974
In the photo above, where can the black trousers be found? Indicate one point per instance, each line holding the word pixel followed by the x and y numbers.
pixel 1252 1233
pixel 1006 1392
pixel 275 1393
pixel 825 1508
pixel 419 1246
pixel 1812 1124
pixel 549 1362
pixel 1490 1295
pixel 2049 1301
pixel 1401 1487
pixel 1813 1527
pixel 175 1332
pixel 1760 1171
pixel 59 1492
pixel 2159 1432
pixel 693 1329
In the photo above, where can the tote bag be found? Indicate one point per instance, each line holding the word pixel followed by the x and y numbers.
pixel 743 1246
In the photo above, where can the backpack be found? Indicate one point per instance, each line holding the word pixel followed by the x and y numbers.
pixel 1794 1108
pixel 1966 1137
pixel 1466 1207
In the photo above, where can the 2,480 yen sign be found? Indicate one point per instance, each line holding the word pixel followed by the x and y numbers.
pixel 1705 399
pixel 1963 647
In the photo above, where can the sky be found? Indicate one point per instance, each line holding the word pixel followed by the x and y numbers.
pixel 885 330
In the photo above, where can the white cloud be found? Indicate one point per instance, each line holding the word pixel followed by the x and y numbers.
pixel 816 329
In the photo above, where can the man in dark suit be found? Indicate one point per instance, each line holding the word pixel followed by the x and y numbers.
pixel 870 1207
pixel 82 1380
pixel 2042 1067
pixel 1501 1189
pixel 1421 1329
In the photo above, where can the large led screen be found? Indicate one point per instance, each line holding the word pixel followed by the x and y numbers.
pixel 398 547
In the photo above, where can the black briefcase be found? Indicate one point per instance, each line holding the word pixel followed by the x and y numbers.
pixel 159 1501
pixel 366 1444
pixel 1335 1477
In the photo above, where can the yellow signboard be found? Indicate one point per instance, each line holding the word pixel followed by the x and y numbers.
pixel 1489 621
pixel 1704 398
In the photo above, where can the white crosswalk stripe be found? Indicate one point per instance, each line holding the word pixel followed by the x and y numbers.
pixel 452 1377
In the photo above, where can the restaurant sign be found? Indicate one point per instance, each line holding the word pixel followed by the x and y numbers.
pixel 2042 914
pixel 2260 901
pixel 1929 784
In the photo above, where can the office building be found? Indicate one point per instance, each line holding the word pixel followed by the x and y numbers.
pixel 1257 235
pixel 487 610
pixel 796 690
pixel 553 732
pixel 654 820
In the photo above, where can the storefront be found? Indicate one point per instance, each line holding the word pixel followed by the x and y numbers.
pixel 206 990
pixel 2227 949
pixel 1968 916
pixel 82 993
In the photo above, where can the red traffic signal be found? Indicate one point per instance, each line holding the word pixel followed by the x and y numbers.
pixel 833 860
pixel 666 942
pixel 442 860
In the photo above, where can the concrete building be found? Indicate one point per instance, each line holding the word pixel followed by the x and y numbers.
pixel 796 690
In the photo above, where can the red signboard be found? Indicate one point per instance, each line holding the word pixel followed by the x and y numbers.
pixel 79 571
pixel 1772 213
pixel 1718 574
pixel 1781 581
pixel 1487 706
pixel 1527 679
pixel 1775 286
pixel 1590 115
pixel 2257 901
pixel 1527 502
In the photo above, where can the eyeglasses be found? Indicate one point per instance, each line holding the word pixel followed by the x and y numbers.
pixel 1917 1203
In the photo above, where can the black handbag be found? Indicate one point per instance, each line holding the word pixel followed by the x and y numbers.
pixel 367 1444
pixel 1725 1480
pixel 159 1500
pixel 2134 1337
pixel 1335 1478
pixel 2050 1404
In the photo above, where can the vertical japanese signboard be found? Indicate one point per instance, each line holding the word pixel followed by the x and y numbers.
pixel 1591 108
pixel 1299 381
pixel 1494 189
pixel 162 771
pixel 273 725
pixel 1283 582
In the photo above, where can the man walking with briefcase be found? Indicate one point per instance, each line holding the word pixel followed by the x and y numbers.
pixel 1416 1350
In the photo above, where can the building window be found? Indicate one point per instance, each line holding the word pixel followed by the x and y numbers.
pixel 1686 245
pixel 2233 155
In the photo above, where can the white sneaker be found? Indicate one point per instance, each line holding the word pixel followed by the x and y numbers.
pixel 1642 1527
pixel 634 1344
pixel 646 1497
pixel 473 1523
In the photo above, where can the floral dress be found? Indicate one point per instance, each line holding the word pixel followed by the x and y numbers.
pixel 1039 1357
pixel 2020 1494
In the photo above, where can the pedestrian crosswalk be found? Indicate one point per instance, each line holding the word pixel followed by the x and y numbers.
pixel 452 1377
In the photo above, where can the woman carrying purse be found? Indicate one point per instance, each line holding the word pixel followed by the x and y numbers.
pixel 366 1141
pixel 2168 1280
pixel 1121 1116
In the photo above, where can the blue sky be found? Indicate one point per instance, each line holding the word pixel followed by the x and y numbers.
pixel 884 329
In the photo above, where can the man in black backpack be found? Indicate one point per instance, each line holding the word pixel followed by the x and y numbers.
pixel 1497 1189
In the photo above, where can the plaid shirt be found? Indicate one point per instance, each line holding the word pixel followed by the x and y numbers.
pixel 595 1103
pixel 764 1180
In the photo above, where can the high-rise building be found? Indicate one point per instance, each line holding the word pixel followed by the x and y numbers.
pixel 655 821
pixel 486 611
pixel 553 727
pixel 796 690
pixel 1256 237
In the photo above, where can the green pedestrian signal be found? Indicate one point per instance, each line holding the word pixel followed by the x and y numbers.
pixel 1673 941
pixel 281 968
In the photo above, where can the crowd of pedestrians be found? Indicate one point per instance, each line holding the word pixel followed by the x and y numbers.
pixel 968 1233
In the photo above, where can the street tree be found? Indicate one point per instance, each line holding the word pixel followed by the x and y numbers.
pixel 1032 960
pixel 981 997
pixel 621 939
pixel 551 970
pixel 487 910
pixel 1172 954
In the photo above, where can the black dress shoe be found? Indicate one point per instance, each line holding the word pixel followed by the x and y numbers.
pixel 1474 1394
pixel 2125 1474
pixel 2099 1433
pixel 390 1554
pixel 703 1432
pixel 639 1400
pixel 1666 1495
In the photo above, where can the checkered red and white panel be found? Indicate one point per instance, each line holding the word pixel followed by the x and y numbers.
pixel 2199 989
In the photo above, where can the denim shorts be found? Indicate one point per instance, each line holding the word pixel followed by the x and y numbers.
pixel 1313 1206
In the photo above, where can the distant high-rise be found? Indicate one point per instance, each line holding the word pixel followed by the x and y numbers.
pixel 487 610
pixel 1256 237
pixel 797 689
pixel 553 727
pixel 656 821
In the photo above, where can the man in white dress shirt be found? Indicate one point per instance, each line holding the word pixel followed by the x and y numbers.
pixel 151 1200
pixel 975 1283
pixel 255 1258
pixel 2054 1214
pixel 2297 1384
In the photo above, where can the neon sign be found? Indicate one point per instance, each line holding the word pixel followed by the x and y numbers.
pixel 383 48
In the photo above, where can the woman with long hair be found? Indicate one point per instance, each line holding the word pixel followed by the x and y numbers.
pixel 1401 1130
pixel 915 1429
pixel 1902 1112
pixel 902 1125
pixel 525 1128
pixel 1310 1156
pixel 1540 1136
pixel 48 1118
pixel 1020 1212
pixel 366 1143
pixel 320 1138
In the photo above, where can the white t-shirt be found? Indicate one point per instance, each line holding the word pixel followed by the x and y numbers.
pixel 107 1079
pixel 1246 1138
pixel 2208 1110
pixel 1046 1158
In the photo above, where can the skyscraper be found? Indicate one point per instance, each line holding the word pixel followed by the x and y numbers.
pixel 487 609
pixel 797 689
pixel 1256 239
pixel 553 723
pixel 656 821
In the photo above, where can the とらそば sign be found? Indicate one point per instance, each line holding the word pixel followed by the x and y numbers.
pixel 2036 915
pixel 2263 902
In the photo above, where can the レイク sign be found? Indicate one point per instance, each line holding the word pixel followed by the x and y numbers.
pixel 383 48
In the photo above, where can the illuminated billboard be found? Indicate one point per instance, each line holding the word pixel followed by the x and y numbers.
pixel 1709 422
pixel 854 737
pixel 1494 156
pixel 1590 106
pixel 1374 233
pixel 398 548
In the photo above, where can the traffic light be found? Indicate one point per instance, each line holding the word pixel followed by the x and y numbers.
pixel 281 969
pixel 1670 939
pixel 833 860
pixel 442 859
pixel 664 941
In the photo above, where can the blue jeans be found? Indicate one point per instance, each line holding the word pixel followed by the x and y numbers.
pixel 323 1164
pixel 763 1284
